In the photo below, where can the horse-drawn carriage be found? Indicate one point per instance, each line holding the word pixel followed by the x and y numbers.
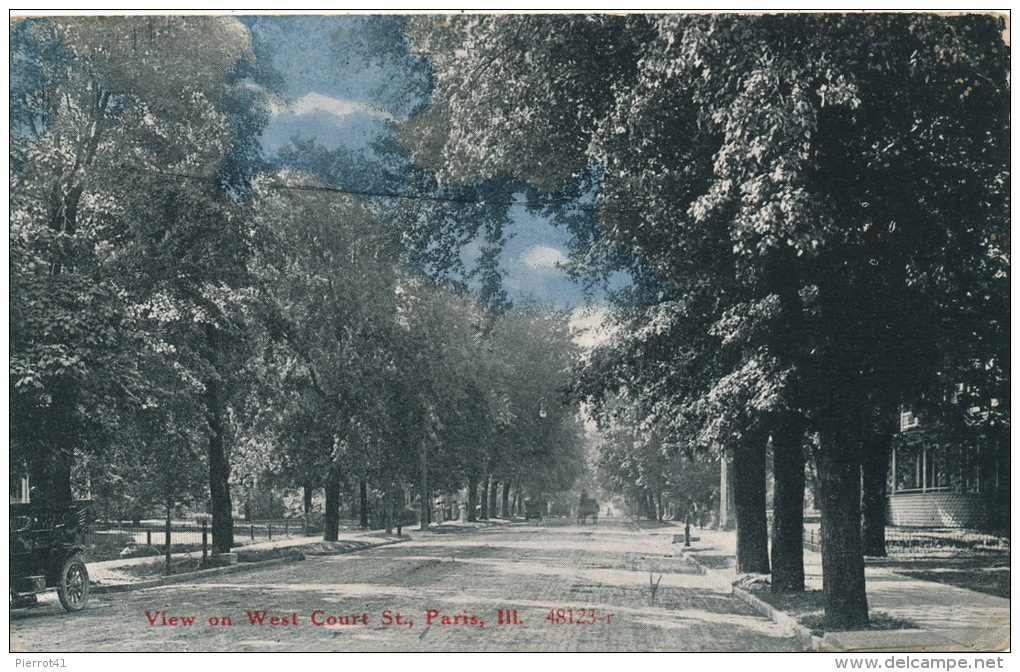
pixel 534 508
pixel 587 508
pixel 45 553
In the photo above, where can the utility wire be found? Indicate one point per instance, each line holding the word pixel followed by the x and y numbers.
pixel 383 194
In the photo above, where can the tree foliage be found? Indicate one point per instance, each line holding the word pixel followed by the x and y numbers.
pixel 804 187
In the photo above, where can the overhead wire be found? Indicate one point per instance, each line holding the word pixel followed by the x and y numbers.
pixel 564 202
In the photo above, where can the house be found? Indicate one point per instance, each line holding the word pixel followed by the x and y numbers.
pixel 933 484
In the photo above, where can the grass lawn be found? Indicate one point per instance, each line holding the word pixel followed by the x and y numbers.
pixel 970 560
pixel 808 608
pixel 965 559
pixel 987 573
pixel 157 567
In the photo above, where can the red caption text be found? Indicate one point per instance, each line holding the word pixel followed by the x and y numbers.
pixel 388 618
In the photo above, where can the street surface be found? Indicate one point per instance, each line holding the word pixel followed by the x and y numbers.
pixel 451 591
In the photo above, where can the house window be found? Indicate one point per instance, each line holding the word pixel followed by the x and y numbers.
pixel 936 476
pixel 920 469
pixel 907 468
pixel 18 489
pixel 908 420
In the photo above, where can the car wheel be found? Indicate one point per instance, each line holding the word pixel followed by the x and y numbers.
pixel 73 590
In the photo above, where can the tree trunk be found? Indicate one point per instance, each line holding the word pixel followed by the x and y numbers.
pixel 53 481
pixel 749 497
pixel 388 511
pixel 168 553
pixel 51 463
pixel 874 502
pixel 423 484
pixel 472 501
pixel 494 498
pixel 788 505
pixel 219 465
pixel 505 511
pixel 484 514
pixel 363 503
pixel 331 519
pixel 846 602
pixel 788 430
pixel 727 507
pixel 306 492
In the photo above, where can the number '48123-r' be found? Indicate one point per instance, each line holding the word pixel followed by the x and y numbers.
pixel 578 617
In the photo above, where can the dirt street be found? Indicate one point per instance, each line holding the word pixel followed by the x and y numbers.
pixel 549 586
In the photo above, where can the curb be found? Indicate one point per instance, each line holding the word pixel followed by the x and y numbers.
pixel 100 589
pixel 863 641
pixel 790 625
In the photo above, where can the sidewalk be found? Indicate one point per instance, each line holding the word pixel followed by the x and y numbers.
pixel 949 618
pixel 106 573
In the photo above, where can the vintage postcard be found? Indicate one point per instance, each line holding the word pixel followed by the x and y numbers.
pixel 523 332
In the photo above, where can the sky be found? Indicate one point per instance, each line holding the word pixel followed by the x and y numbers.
pixel 344 81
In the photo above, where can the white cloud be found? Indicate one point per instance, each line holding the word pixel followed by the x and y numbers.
pixel 592 326
pixel 541 256
pixel 317 102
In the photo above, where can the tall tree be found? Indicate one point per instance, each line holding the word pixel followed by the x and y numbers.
pixel 330 278
pixel 134 141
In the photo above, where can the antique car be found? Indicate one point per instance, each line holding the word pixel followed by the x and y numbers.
pixel 45 553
